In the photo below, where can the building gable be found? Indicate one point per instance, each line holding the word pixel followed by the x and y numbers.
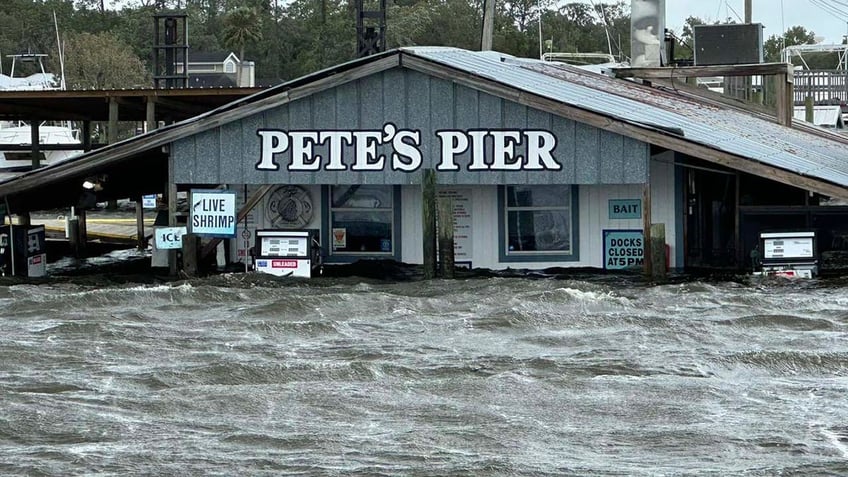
pixel 396 113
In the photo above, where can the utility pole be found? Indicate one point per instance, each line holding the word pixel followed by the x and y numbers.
pixel 488 25
pixel 748 7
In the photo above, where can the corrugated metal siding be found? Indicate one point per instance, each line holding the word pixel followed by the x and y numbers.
pixel 410 100
pixel 721 128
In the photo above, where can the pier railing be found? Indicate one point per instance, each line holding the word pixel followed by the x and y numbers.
pixel 824 86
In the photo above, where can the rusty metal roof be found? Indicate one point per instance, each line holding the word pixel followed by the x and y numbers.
pixel 716 126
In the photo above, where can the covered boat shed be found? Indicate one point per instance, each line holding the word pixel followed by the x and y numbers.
pixel 547 165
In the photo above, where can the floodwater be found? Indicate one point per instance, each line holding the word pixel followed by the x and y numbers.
pixel 249 375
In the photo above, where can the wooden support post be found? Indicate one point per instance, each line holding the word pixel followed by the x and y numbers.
pixel 150 115
pixel 647 263
pixel 35 147
pixel 784 100
pixel 82 241
pixel 428 197
pixel 86 136
pixel 73 235
pixel 446 228
pixel 112 130
pixel 658 253
pixel 191 255
pixel 172 213
pixel 809 110
pixel 112 138
pixel 139 222
pixel 737 233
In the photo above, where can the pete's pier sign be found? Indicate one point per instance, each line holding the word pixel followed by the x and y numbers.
pixel 509 150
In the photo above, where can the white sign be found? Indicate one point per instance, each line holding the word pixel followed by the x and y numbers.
pixel 148 201
pixel 37 265
pixel 168 238
pixel 789 247
pixel 489 150
pixel 339 238
pixel 462 238
pixel 213 213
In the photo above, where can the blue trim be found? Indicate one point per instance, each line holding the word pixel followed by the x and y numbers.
pixel 327 239
pixel 574 256
pixel 681 209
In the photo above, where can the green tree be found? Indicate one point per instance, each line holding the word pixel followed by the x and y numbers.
pixel 101 61
pixel 797 35
pixel 242 26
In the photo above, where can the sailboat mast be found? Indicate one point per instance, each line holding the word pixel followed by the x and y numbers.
pixel 61 53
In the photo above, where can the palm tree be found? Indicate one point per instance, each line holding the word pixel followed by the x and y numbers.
pixel 242 26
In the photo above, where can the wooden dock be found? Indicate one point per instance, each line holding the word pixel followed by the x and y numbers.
pixel 111 228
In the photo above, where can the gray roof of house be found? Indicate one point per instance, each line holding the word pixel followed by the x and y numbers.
pixel 719 127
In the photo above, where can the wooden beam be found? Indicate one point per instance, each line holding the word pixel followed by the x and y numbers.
pixel 139 222
pixel 428 217
pixel 34 144
pixel 171 195
pixel 150 114
pixel 784 101
pixel 760 69
pixel 112 129
pixel 647 256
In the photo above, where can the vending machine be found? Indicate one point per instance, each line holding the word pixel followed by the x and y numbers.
pixel 23 250
pixel 295 253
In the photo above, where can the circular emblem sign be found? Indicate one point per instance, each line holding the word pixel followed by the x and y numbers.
pixel 289 207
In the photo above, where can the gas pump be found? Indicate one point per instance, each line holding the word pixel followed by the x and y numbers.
pixel 788 254
pixel 295 253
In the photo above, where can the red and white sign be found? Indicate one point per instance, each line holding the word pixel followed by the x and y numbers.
pixel 283 263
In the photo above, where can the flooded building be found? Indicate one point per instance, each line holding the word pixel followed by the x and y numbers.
pixel 546 165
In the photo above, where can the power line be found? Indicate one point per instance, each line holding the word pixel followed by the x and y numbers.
pixel 829 8
pixel 734 11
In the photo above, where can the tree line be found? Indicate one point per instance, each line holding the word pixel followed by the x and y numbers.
pixel 108 43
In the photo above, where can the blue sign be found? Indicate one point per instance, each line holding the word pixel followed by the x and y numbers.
pixel 623 249
pixel 625 208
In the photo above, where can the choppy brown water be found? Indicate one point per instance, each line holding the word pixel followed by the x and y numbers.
pixel 240 374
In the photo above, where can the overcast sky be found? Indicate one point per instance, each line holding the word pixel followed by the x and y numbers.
pixel 827 18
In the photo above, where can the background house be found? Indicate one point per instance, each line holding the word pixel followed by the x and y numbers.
pixel 218 70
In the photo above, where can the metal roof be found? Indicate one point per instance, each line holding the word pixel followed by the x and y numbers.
pixel 721 128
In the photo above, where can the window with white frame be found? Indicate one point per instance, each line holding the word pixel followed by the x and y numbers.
pixel 538 222
pixel 362 220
